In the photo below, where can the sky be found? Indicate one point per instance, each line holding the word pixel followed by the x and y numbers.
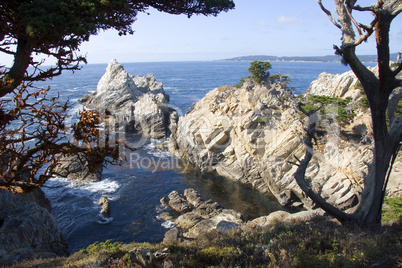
pixel 254 27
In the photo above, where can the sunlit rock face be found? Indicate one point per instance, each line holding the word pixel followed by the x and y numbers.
pixel 131 103
pixel 253 134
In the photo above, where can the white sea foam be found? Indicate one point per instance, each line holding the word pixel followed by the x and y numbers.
pixel 168 224
pixel 150 148
pixel 104 220
pixel 103 187
pixel 159 209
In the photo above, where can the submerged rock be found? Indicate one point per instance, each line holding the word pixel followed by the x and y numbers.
pixel 27 229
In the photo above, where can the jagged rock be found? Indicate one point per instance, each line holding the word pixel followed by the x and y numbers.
pixel 146 259
pixel 178 203
pixel 253 133
pixel 188 220
pixel 136 104
pixel 164 201
pixel 172 236
pixel 27 229
pixel 287 198
pixel 105 209
pixel 193 197
pixel 76 167
pixel 201 216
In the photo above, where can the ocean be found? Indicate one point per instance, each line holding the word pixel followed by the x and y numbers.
pixel 134 189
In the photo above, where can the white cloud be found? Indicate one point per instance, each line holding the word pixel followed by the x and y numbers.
pixel 261 23
pixel 289 19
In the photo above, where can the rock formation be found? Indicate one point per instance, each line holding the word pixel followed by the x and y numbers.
pixel 105 206
pixel 27 229
pixel 198 216
pixel 252 133
pixel 132 103
pixel 75 167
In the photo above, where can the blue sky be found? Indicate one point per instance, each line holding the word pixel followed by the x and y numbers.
pixel 254 27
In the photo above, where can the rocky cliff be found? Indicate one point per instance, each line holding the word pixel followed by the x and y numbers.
pixel 27 229
pixel 136 104
pixel 252 133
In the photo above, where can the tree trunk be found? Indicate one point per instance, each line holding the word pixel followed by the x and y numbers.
pixel 16 74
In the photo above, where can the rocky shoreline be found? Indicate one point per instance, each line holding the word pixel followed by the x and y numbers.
pixel 253 133
pixel 249 133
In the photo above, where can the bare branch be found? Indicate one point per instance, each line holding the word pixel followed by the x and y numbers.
pixel 293 163
pixel 348 10
pixel 6 51
pixel 326 11
pixel 359 8
pixel 301 181
pixel 397 70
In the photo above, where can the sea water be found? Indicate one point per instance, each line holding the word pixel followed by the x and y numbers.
pixel 134 189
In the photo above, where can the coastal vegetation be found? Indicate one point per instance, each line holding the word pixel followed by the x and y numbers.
pixel 259 70
pixel 335 106
pixel 316 243
pixel 353 240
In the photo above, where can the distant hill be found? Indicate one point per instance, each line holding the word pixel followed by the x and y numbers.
pixel 328 58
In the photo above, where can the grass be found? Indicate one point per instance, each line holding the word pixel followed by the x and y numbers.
pixel 317 243
pixel 392 210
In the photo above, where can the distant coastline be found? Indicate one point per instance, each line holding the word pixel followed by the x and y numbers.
pixel 328 58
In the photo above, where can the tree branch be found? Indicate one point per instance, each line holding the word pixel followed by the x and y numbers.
pixel 397 70
pixel 326 11
pixel 301 171
pixel 359 8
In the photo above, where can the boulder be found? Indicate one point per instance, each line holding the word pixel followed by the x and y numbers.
pixel 144 258
pixel 172 236
pixel 200 216
pixel 131 103
pixel 264 221
pixel 105 206
pixel 27 229
pixel 76 167
pixel 178 203
pixel 281 217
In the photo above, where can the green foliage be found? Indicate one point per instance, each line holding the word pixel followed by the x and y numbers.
pixel 242 81
pixel 103 249
pixel 398 110
pixel 359 85
pixel 392 211
pixel 317 243
pixel 338 107
pixel 363 103
pixel 259 70
pixel 262 120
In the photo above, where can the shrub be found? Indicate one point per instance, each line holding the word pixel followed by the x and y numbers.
pixel 259 70
pixel 338 107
